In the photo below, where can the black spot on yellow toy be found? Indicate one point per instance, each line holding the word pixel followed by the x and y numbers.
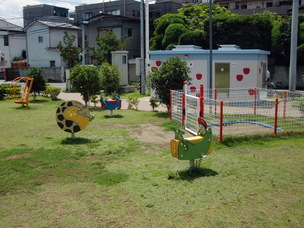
pixel 72 116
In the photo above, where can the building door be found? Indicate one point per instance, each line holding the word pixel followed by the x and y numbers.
pixel 222 75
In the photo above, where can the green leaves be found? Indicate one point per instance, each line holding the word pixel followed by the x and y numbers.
pixel 170 75
pixel 105 45
pixel 86 80
pixel 68 51
pixel 110 75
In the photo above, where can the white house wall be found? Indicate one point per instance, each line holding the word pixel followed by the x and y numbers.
pixel 17 43
pixel 41 53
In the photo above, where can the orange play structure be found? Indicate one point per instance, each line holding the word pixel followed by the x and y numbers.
pixel 25 90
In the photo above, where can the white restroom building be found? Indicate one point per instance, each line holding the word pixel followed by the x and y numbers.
pixel 232 67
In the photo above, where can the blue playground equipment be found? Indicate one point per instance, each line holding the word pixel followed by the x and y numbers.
pixel 111 104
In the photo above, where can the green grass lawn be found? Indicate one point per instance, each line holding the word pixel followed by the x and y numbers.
pixel 105 178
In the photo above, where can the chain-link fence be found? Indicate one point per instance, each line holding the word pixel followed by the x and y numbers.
pixel 251 111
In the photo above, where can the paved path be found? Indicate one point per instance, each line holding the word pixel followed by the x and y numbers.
pixel 144 103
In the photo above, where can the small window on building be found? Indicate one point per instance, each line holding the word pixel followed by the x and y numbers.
pixel 128 32
pixel 52 63
pixel 114 12
pixel 157 15
pixel 87 15
pixel 40 39
pixel 268 4
pixel 124 59
pixel 133 13
pixel 5 38
pixel 243 6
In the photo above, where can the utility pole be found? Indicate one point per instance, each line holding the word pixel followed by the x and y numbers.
pixel 83 42
pixel 147 34
pixel 293 46
pixel 142 49
pixel 210 81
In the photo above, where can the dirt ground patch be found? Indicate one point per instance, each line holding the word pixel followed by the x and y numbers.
pixel 17 156
pixel 152 134
pixel 243 129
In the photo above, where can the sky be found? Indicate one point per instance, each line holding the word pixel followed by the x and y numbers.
pixel 12 10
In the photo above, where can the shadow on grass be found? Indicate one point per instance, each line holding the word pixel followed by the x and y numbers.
pixel 75 141
pixel 38 101
pixel 164 115
pixel 192 174
pixel 117 116
pixel 96 109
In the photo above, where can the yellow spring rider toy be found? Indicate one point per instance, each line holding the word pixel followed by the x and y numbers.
pixel 192 148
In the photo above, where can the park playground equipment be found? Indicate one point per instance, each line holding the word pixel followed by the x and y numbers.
pixel 72 117
pixel 238 112
pixel 25 90
pixel 111 104
pixel 192 148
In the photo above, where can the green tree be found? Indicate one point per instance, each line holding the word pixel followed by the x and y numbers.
pixel 196 15
pixel 110 76
pixel 68 51
pixel 39 83
pixel 281 41
pixel 86 80
pixel 170 75
pixel 197 37
pixel 105 45
pixel 172 34
pixel 161 24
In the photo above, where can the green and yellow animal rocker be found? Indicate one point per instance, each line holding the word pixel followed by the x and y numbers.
pixel 192 148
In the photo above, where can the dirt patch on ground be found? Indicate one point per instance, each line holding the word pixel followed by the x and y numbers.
pixel 154 135
pixel 17 156
pixel 244 129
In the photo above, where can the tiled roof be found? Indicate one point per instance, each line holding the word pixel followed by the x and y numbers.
pixel 54 24
pixel 5 25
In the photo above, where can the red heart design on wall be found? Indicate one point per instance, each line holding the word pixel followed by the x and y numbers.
pixel 246 70
pixel 199 76
pixel 158 63
pixel 239 77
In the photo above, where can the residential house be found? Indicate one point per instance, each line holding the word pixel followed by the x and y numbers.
pixel 12 43
pixel 43 11
pixel 42 38
pixel 126 30
pixel 281 7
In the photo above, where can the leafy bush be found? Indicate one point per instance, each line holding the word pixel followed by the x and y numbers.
pixel 86 80
pixel 133 102
pixel 39 83
pixel 109 77
pixel 53 92
pixel 154 103
pixel 3 92
pixel 170 75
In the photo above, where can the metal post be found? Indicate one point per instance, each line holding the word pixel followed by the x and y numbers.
pixel 293 46
pixel 142 49
pixel 147 35
pixel 191 165
pixel 221 120
pixel 210 49
pixel 276 115
pixel 83 44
